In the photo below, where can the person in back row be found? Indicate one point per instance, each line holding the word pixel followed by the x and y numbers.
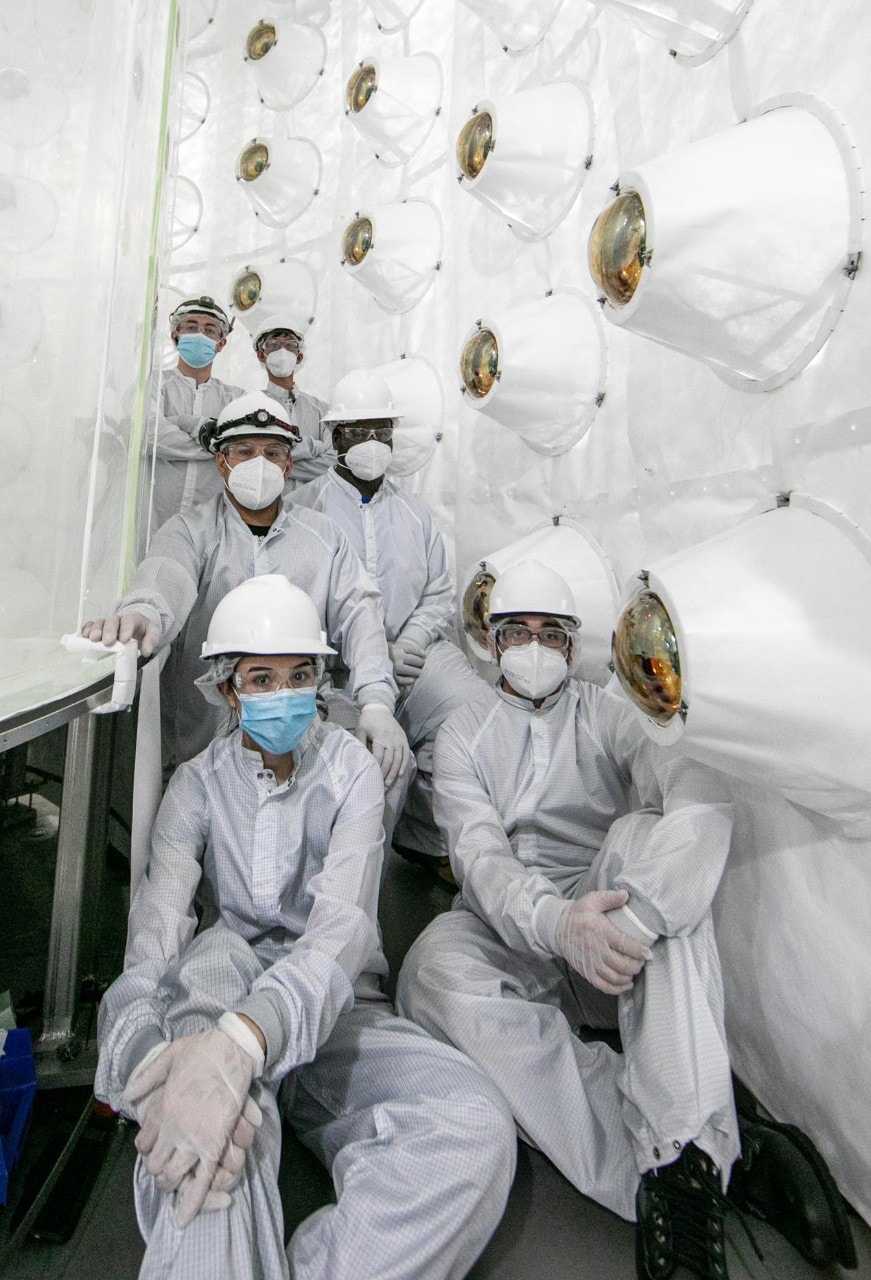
pixel 587 858
pixel 203 552
pixel 395 536
pixel 280 348
pixel 183 473
pixel 277 830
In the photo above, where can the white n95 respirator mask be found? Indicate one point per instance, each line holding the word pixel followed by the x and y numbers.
pixel 256 483
pixel 368 461
pixel 281 362
pixel 532 670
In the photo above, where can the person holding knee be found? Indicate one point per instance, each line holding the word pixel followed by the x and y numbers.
pixel 266 999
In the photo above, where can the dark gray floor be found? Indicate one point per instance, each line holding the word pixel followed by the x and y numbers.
pixel 549 1231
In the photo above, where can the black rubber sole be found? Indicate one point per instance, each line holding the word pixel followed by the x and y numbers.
pixel 830 1242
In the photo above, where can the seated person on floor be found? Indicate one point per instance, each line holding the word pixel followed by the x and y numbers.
pixel 200 554
pixel 184 473
pixel 396 538
pixel 272 1006
pixel 587 859
pixel 280 348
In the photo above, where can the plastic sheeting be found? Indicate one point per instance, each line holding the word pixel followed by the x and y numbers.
pixel 83 90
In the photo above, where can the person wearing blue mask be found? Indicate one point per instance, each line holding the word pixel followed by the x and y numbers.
pixel 184 397
pixel 263 1001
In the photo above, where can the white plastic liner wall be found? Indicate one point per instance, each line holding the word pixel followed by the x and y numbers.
pixel 673 456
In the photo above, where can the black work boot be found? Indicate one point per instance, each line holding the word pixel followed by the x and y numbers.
pixel 782 1179
pixel 679 1212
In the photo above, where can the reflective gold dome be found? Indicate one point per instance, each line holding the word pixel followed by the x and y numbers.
pixel 646 657
pixel 260 40
pixel 617 248
pixel 253 161
pixel 474 143
pixel 361 85
pixel 357 241
pixel 476 606
pixel 479 363
pixel 246 290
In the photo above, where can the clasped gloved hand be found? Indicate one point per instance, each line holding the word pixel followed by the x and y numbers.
pixel 124 627
pixel 147 1112
pixel 408 656
pixel 593 946
pixel 228 1174
pixel 204 1081
pixel 378 730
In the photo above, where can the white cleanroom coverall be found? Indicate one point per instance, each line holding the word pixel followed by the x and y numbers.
pixel 184 472
pixel 395 537
pixel 201 554
pixel 542 806
pixel 315 451
pixel 420 1144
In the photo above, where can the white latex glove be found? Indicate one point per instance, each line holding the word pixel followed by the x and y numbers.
pixel 205 1080
pixel 229 1171
pixel 124 627
pixel 378 730
pixel 408 657
pixel 226 1178
pixel 605 955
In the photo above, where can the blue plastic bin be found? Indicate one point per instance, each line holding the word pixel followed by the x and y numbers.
pixel 17 1087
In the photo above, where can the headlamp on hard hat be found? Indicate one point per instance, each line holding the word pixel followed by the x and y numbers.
pixel 204 306
pixel 211 436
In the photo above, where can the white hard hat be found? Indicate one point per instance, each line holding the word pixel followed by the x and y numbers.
pixel 531 587
pixel 204 306
pixel 283 320
pixel 251 414
pixel 265 615
pixel 359 397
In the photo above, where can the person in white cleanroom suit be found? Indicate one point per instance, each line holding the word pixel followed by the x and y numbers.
pixel 201 553
pixel 277 830
pixel 587 860
pixel 395 536
pixel 184 474
pixel 280 348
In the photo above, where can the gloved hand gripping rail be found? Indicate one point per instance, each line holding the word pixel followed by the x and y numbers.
pixel 124 686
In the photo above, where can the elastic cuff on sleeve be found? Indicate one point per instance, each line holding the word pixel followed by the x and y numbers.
pixel 136 1048
pixel 626 920
pixel 545 918
pixel 233 1026
pixel 644 913
pixel 261 1008
pixel 147 611
pixel 372 695
pixel 418 633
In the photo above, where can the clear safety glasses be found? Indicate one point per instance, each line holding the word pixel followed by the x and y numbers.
pixel 243 450
pixel 267 679
pixel 514 635
pixel 210 328
pixel 278 340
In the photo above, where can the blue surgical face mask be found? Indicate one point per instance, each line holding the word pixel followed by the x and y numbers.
pixel 277 721
pixel 196 349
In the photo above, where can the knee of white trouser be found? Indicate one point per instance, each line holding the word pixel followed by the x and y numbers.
pixel 477 1124
pixel 425 969
pixel 223 949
